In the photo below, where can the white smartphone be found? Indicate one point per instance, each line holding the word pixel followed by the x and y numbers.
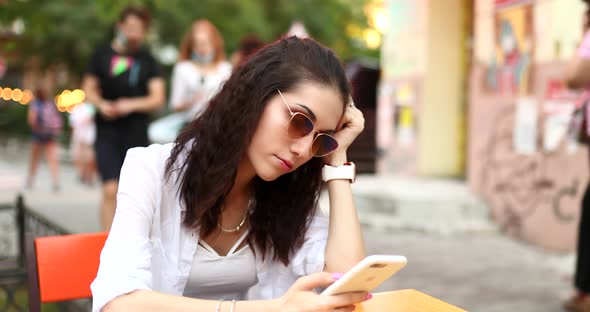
pixel 367 274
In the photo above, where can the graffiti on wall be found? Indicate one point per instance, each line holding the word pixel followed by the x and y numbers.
pixel 509 71
pixel 518 186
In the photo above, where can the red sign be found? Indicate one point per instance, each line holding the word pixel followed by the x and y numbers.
pixel 507 3
pixel 557 90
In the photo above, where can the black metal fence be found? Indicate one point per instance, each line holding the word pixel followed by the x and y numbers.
pixel 17 221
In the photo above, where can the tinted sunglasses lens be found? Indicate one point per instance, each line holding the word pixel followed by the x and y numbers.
pixel 323 145
pixel 299 126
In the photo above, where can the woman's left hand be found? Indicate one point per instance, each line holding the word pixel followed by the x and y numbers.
pixel 350 126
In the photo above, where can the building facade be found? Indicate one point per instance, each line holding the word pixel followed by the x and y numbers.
pixel 473 89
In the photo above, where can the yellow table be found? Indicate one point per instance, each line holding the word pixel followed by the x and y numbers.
pixel 407 300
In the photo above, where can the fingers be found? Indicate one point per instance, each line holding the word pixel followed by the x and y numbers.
pixel 351 112
pixel 352 115
pixel 350 101
pixel 315 280
pixel 345 309
pixel 347 299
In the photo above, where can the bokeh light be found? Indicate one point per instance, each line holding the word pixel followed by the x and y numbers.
pixel 377 16
pixel 27 97
pixel 17 95
pixel 79 95
pixel 69 98
pixel 7 94
pixel 70 108
pixel 372 38
pixel 380 21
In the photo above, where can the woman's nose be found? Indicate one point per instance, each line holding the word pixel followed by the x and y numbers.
pixel 302 147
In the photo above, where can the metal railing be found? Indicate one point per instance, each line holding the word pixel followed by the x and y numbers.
pixel 13 275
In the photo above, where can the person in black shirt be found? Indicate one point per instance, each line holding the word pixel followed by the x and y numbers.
pixel 124 82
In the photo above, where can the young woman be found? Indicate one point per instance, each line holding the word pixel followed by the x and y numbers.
pixel 46 125
pixel 200 71
pixel 226 218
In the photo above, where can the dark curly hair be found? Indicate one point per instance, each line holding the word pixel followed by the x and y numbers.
pixel 207 152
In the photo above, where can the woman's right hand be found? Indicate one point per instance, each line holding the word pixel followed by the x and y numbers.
pixel 301 298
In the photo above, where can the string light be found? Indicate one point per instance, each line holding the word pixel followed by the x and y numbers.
pixel 17 95
pixel 70 98
pixel 63 101
pixel 27 97
pixel 7 94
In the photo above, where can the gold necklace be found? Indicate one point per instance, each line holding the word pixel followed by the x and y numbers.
pixel 236 229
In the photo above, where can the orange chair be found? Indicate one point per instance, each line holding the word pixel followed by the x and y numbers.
pixel 62 268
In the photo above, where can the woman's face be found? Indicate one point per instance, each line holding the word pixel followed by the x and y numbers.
pixel 271 152
pixel 202 43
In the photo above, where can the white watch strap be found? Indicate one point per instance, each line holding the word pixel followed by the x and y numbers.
pixel 344 172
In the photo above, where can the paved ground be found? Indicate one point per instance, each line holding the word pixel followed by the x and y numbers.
pixel 476 270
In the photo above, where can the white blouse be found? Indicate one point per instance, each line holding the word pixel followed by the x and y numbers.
pixel 148 248
pixel 187 80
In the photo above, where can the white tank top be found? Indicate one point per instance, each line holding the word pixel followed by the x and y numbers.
pixel 217 277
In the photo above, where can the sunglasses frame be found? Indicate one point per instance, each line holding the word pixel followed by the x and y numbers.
pixel 313 130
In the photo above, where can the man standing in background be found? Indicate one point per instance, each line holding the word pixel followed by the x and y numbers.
pixel 123 81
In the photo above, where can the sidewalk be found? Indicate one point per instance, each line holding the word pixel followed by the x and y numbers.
pixel 454 252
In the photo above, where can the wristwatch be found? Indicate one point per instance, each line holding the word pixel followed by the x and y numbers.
pixel 345 172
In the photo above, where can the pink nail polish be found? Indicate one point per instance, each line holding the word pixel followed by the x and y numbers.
pixel 336 276
pixel 369 296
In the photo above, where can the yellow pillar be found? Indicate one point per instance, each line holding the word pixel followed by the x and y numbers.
pixel 441 134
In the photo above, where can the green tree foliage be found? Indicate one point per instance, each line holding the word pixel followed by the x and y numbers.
pixel 66 31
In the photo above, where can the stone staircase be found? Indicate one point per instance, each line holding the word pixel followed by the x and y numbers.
pixel 443 207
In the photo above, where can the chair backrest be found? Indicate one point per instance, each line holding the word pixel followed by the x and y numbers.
pixel 62 267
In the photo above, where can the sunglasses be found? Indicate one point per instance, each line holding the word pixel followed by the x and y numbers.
pixel 300 126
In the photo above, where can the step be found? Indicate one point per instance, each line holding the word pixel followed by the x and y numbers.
pixel 427 205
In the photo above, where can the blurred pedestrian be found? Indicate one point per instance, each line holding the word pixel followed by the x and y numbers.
pixel 124 82
pixel 200 71
pixel 578 77
pixel 233 202
pixel 82 141
pixel 248 46
pixel 46 125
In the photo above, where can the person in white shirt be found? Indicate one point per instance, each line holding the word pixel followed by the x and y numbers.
pixel 225 218
pixel 200 71
pixel 83 134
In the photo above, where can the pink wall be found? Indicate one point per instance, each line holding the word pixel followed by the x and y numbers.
pixel 534 198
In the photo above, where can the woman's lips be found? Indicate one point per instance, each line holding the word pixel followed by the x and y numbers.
pixel 285 164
